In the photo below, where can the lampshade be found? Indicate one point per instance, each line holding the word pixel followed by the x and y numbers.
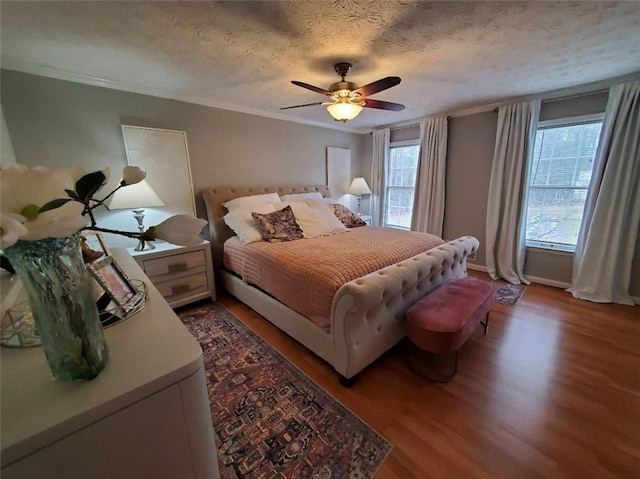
pixel 344 111
pixel 138 195
pixel 359 187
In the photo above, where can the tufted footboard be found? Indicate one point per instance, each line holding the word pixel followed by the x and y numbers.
pixel 368 313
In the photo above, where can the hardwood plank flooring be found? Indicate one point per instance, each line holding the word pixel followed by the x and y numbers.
pixel 552 391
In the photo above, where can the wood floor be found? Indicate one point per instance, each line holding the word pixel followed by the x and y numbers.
pixel 552 391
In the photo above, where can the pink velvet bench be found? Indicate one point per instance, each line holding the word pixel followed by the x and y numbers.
pixel 443 320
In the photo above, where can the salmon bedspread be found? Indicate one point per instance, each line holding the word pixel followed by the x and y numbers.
pixel 305 274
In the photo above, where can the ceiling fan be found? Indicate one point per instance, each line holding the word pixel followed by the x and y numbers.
pixel 346 99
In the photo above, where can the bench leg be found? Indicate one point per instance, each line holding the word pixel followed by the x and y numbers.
pixel 419 366
pixel 485 323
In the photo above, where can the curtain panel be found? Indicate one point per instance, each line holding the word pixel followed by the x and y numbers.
pixel 428 203
pixel 606 243
pixel 506 204
pixel 381 139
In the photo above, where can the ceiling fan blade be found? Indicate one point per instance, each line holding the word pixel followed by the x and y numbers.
pixel 299 106
pixel 377 86
pixel 382 105
pixel 322 91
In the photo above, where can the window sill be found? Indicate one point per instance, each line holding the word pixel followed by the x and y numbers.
pixel 558 251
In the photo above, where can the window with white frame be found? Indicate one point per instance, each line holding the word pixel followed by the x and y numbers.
pixel 402 166
pixel 560 175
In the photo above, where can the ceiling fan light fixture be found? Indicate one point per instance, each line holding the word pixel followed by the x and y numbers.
pixel 344 111
pixel 346 99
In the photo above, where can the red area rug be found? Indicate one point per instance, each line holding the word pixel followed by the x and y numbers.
pixel 505 292
pixel 270 419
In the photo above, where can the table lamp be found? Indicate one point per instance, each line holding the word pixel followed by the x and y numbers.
pixel 358 188
pixel 137 197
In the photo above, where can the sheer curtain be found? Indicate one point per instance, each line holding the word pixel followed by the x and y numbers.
pixel 506 205
pixel 428 203
pixel 378 174
pixel 606 242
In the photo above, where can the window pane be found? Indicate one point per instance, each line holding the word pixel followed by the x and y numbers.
pixel 560 176
pixel 399 207
pixel 401 179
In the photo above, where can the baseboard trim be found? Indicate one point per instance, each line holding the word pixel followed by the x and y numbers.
pixel 537 280
pixel 548 282
pixel 477 267
pixel 533 279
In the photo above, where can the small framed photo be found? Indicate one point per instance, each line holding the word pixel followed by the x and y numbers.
pixel 116 283
pixel 94 246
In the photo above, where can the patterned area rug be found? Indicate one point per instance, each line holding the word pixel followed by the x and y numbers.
pixel 505 292
pixel 272 421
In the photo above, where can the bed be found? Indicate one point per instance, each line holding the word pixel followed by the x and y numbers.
pixel 366 314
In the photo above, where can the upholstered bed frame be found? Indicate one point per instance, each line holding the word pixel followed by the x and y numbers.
pixel 367 315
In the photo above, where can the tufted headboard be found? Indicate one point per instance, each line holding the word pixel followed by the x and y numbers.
pixel 215 197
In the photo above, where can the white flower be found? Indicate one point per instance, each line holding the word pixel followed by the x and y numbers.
pixel 11 229
pixel 58 223
pixel 23 191
pixel 179 229
pixel 22 186
pixel 39 203
pixel 132 175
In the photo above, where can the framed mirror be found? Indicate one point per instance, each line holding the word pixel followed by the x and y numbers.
pixel 164 155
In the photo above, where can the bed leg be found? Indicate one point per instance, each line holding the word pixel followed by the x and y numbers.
pixel 346 382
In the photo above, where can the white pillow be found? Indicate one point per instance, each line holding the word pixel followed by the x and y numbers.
pixel 314 221
pixel 321 201
pixel 245 202
pixel 301 196
pixel 243 224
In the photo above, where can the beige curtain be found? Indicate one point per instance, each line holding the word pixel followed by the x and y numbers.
pixel 606 243
pixel 378 174
pixel 506 205
pixel 428 203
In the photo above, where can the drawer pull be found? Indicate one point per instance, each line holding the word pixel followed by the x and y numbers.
pixel 180 289
pixel 177 268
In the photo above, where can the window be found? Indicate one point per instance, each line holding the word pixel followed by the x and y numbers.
pixel 563 157
pixel 402 166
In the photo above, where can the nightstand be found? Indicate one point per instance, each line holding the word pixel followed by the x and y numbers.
pixel 367 219
pixel 182 274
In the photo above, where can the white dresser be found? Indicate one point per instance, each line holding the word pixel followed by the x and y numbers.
pixel 145 416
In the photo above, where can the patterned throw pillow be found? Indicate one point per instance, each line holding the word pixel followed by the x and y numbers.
pixel 348 217
pixel 278 226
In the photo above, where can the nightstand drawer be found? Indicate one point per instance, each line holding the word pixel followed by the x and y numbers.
pixel 182 274
pixel 174 264
pixel 182 287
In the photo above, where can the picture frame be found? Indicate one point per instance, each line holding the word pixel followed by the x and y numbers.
pixel 116 283
pixel 95 241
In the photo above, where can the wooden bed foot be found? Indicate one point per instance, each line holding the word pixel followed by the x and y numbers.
pixel 346 382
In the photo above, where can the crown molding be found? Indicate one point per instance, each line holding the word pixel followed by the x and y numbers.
pixel 61 74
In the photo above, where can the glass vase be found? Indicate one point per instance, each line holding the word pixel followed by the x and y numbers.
pixel 58 287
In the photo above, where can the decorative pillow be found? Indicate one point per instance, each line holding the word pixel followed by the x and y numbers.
pixel 244 225
pixel 278 226
pixel 248 202
pixel 347 217
pixel 314 220
pixel 301 196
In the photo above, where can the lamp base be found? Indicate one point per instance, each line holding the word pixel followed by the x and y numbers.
pixel 144 245
pixel 138 214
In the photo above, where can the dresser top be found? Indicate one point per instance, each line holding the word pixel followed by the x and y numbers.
pixel 148 352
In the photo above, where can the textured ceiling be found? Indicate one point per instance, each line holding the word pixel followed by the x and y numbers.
pixel 243 55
